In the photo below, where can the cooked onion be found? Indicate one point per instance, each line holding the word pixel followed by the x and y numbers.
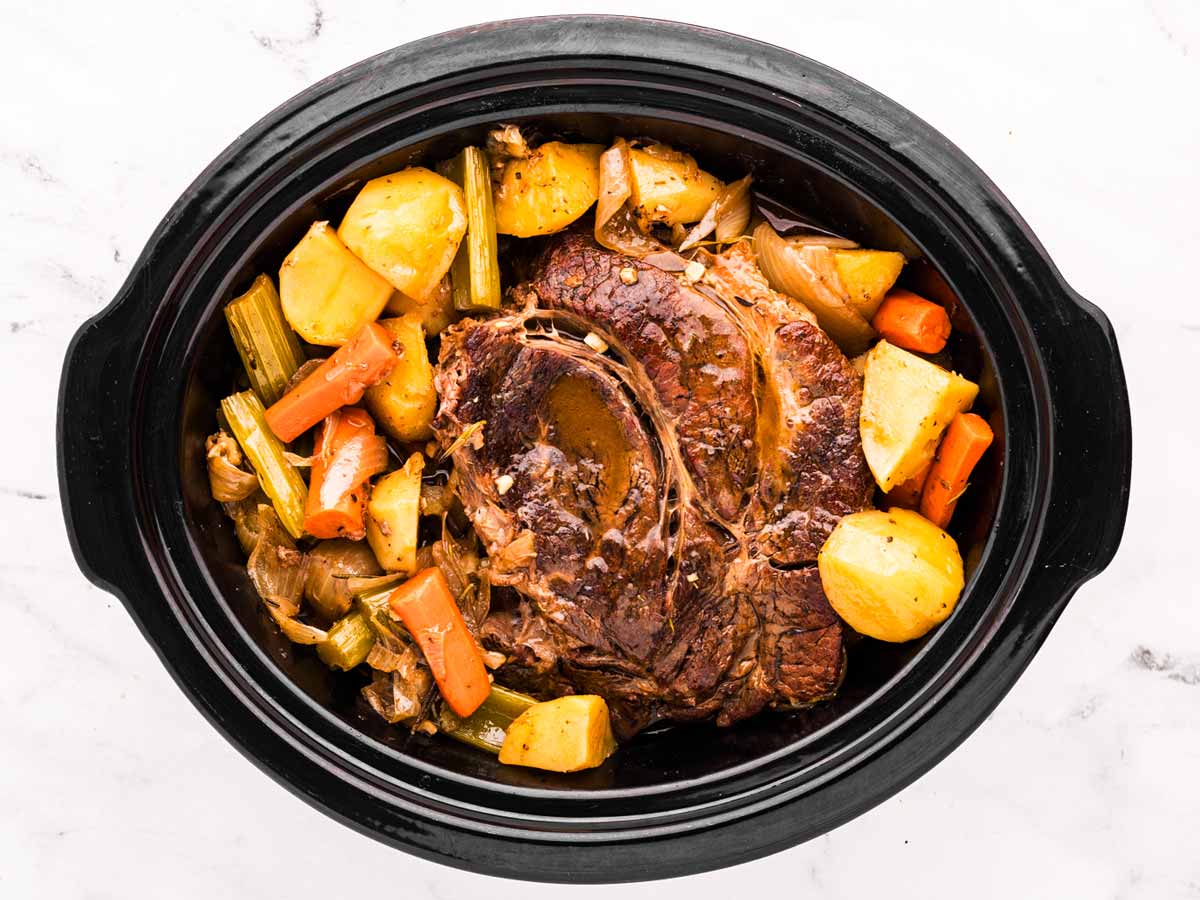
pixel 295 631
pixel 246 523
pixel 276 568
pixel 616 224
pixel 728 215
pixel 808 274
pixel 400 695
pixel 361 585
pixel 278 572
pixel 387 656
pixel 616 184
pixel 330 564
pixel 326 592
pixel 229 482
pixel 734 214
pixel 821 240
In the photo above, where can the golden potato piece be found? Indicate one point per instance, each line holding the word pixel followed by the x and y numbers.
pixel 669 187
pixel 393 513
pixel 407 227
pixel 907 404
pixel 890 575
pixel 327 293
pixel 404 403
pixel 547 190
pixel 866 276
pixel 562 735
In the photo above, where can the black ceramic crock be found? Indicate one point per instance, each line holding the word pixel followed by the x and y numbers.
pixel 141 380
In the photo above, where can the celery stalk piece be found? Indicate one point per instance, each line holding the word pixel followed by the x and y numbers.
pixel 266 343
pixel 279 478
pixel 373 604
pixel 485 728
pixel 349 642
pixel 475 273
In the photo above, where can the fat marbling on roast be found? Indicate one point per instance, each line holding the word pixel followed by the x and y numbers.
pixel 668 497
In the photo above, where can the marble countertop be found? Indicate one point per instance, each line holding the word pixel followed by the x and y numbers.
pixel 1084 783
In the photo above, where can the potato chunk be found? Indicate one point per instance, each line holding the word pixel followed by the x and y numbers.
pixel 404 402
pixel 907 404
pixel 327 293
pixel 407 227
pixel 392 516
pixel 562 735
pixel 547 190
pixel 866 276
pixel 669 187
pixel 890 575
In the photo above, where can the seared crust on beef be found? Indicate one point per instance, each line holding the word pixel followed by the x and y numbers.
pixel 694 354
pixel 657 488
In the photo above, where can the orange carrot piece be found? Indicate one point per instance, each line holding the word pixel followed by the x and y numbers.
pixel 428 610
pixel 348 452
pixel 908 494
pixel 966 439
pixel 912 322
pixel 364 360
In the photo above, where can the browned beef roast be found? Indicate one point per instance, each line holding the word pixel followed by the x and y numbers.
pixel 667 497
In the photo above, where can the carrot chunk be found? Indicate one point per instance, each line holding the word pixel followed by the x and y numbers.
pixel 347 454
pixel 427 609
pixel 912 322
pixel 364 360
pixel 964 444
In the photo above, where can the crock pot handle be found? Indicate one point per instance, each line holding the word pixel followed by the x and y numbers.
pixel 94 469
pixel 1091 448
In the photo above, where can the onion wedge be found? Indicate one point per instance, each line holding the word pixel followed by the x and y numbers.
pixel 728 216
pixel 228 481
pixel 808 274
pixel 617 227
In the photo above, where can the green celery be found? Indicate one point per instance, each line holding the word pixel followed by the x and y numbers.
pixel 266 343
pixel 279 478
pixel 372 602
pixel 485 728
pixel 475 274
pixel 349 642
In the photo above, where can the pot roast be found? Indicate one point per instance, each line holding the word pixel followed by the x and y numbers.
pixel 660 463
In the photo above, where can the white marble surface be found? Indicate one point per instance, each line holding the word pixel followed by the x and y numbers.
pixel 1086 781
